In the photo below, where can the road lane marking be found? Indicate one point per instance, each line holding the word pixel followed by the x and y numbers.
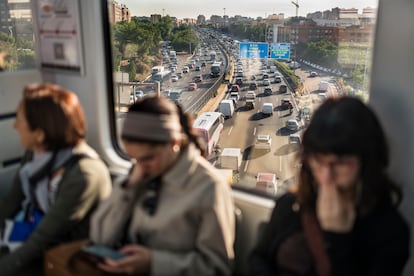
pixel 228 133
pixel 254 131
pixel 245 166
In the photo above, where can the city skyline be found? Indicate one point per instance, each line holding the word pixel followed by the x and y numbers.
pixel 253 9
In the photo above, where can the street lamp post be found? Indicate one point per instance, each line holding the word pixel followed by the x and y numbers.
pixel 296 4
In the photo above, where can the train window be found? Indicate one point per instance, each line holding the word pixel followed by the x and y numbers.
pixel 17 50
pixel 305 53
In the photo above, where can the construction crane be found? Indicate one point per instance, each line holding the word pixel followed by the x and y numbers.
pixel 297 6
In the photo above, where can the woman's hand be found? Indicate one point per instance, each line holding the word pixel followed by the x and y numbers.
pixel 138 261
pixel 335 212
pixel 135 176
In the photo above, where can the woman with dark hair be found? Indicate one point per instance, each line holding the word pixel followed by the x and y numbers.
pixel 174 213
pixel 59 184
pixel 342 218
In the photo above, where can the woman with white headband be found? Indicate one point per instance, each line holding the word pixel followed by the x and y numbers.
pixel 174 214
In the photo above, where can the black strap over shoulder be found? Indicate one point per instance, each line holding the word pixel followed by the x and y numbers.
pixel 73 160
pixel 47 170
pixel 43 172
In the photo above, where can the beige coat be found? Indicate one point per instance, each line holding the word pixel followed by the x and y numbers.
pixel 192 231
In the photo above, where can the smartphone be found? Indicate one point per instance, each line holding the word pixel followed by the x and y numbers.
pixel 102 252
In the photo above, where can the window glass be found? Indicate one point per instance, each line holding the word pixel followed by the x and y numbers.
pixel 16 35
pixel 305 53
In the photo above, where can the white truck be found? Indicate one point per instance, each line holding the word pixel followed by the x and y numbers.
pixel 213 56
pixel 226 107
pixel 266 182
pixel 323 86
pixel 231 158
pixel 173 54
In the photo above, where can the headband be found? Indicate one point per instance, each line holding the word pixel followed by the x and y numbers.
pixel 152 127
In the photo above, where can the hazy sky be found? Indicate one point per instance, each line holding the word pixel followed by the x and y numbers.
pixel 250 8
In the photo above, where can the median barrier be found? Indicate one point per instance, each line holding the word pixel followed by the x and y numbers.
pixel 213 103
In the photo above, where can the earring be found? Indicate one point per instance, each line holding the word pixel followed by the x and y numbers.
pixel 176 148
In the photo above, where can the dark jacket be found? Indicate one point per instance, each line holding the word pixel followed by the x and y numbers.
pixel 81 188
pixel 377 245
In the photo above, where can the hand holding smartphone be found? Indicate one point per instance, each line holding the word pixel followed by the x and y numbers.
pixel 101 252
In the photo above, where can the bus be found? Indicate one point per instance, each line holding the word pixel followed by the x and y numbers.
pixel 374 58
pixel 215 69
pixel 210 126
pixel 157 69
pixel 161 76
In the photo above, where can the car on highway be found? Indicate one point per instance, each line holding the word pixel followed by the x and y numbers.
pixel 172 94
pixel 192 86
pixel 253 86
pixel 235 88
pixel 305 113
pixel 313 74
pixel 268 90
pixel 249 104
pixel 174 78
pixel 282 89
pixel 251 95
pixel 263 142
pixel 292 124
pixel 265 76
pixel 239 81
pixel 234 96
pixel 322 96
pixel 277 79
pixel 294 139
pixel 266 82
pixel 139 94
pixel 198 78
pixel 285 103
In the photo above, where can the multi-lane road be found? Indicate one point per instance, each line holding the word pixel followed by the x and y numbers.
pixel 241 130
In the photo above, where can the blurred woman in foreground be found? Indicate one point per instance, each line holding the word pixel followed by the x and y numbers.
pixel 343 218
pixel 59 184
pixel 174 214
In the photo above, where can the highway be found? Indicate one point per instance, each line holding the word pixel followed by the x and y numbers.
pixel 241 130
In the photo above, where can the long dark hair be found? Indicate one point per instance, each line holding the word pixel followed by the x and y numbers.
pixel 346 126
pixel 162 105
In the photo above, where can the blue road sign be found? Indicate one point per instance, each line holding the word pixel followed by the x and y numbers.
pixel 280 51
pixel 253 50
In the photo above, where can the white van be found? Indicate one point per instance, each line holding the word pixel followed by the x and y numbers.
pixel 267 109
pixel 266 182
pixel 227 108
